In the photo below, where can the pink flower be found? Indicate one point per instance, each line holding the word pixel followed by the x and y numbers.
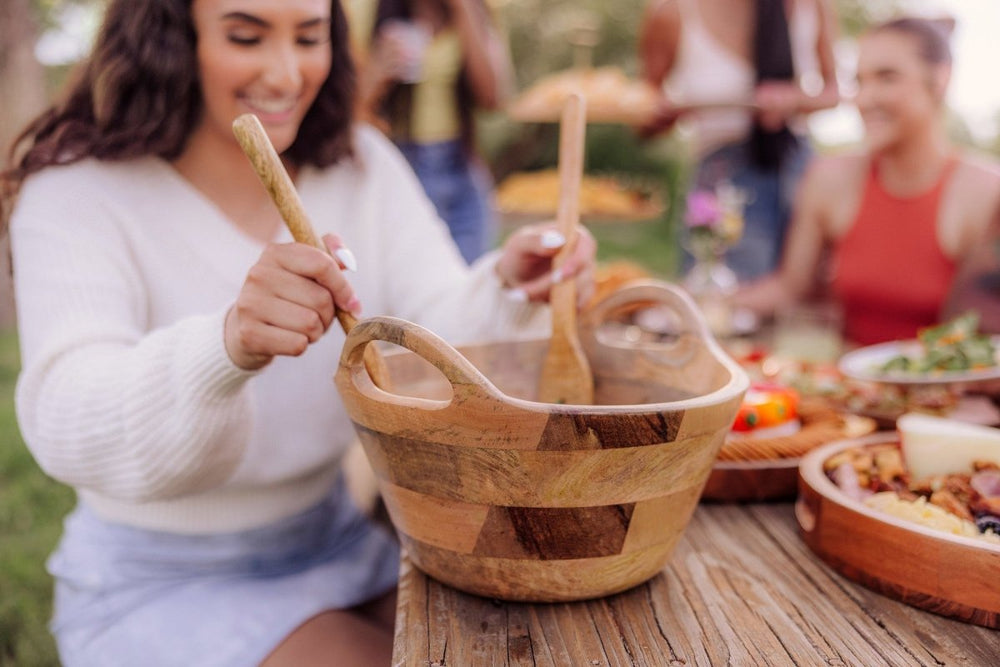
pixel 703 209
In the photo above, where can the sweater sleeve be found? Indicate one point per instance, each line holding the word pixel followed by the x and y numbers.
pixel 428 280
pixel 103 403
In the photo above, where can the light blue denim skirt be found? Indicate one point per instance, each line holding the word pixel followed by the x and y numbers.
pixel 461 189
pixel 127 596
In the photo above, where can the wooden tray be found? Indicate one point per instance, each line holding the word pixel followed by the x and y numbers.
pixel 777 478
pixel 934 570
pixel 752 481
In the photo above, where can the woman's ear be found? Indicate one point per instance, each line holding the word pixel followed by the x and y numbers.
pixel 940 76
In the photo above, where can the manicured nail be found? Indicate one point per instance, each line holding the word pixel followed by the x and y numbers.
pixel 354 307
pixel 557 276
pixel 347 259
pixel 552 239
pixel 517 295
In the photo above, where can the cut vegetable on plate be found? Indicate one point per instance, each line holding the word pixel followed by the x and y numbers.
pixel 950 352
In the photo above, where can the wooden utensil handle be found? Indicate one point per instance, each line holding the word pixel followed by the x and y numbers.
pixel 572 134
pixel 466 380
pixel 272 173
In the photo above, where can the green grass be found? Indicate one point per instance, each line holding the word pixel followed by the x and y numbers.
pixel 31 510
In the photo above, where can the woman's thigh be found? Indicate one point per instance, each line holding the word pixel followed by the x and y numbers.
pixel 335 637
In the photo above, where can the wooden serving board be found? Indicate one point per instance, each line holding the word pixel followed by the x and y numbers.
pixel 930 569
pixel 771 479
pixel 752 481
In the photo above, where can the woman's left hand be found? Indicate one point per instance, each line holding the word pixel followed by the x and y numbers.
pixel 777 102
pixel 525 265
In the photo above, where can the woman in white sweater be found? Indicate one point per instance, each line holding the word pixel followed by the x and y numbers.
pixel 177 347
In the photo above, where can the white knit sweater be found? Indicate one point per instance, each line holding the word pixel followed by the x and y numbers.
pixel 123 275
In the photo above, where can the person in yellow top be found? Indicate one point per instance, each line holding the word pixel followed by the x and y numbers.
pixel 425 68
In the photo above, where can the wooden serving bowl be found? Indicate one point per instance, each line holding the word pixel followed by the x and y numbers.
pixel 502 496
pixel 950 575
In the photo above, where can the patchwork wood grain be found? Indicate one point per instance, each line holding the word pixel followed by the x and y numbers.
pixel 541 478
pixel 540 580
pixel 501 495
pixel 554 533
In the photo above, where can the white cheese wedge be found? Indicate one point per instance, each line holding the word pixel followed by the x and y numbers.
pixel 939 446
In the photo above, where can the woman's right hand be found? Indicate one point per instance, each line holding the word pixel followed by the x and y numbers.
pixel 664 119
pixel 394 53
pixel 287 302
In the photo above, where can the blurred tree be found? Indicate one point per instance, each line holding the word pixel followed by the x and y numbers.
pixel 22 77
pixel 856 15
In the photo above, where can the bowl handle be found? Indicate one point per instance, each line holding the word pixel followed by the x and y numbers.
pixel 646 293
pixel 468 383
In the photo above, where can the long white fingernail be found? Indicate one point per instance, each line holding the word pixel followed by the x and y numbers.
pixel 552 239
pixel 347 260
pixel 517 295
pixel 557 276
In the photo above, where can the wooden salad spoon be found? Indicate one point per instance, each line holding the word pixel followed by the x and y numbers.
pixel 272 173
pixel 566 376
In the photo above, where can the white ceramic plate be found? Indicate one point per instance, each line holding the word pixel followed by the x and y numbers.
pixel 865 364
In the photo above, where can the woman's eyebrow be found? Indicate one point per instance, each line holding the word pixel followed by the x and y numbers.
pixel 256 20
pixel 248 18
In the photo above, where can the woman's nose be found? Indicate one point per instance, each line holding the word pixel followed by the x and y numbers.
pixel 282 68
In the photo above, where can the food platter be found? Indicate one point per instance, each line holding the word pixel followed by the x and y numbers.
pixel 612 97
pixel 865 364
pixel 770 479
pixel 534 196
pixel 950 575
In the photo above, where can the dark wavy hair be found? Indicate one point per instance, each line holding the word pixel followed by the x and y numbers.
pixel 139 94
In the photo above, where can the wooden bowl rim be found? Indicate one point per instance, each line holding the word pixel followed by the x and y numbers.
pixel 811 473
pixel 736 384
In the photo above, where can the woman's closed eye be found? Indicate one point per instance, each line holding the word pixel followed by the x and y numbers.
pixel 243 39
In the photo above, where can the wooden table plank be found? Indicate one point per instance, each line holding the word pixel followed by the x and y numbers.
pixel 741 588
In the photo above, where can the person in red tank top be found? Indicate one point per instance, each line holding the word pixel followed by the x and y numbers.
pixel 882 232
pixel 890 274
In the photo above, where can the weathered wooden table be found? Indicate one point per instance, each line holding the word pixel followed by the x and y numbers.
pixel 741 589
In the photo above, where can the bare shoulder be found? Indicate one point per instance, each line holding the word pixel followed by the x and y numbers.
pixel 980 172
pixel 833 175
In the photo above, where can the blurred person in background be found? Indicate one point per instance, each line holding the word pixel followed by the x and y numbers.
pixel 428 67
pixel 898 218
pixel 756 68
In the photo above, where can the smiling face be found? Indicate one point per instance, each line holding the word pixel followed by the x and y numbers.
pixel 900 95
pixel 266 57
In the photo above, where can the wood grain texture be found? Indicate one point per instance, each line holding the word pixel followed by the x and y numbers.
pixel 741 588
pixel 272 173
pixel 934 570
pixel 566 376
pixel 518 499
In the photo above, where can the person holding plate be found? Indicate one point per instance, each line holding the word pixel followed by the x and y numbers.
pixel 742 76
pixel 897 218
pixel 176 355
